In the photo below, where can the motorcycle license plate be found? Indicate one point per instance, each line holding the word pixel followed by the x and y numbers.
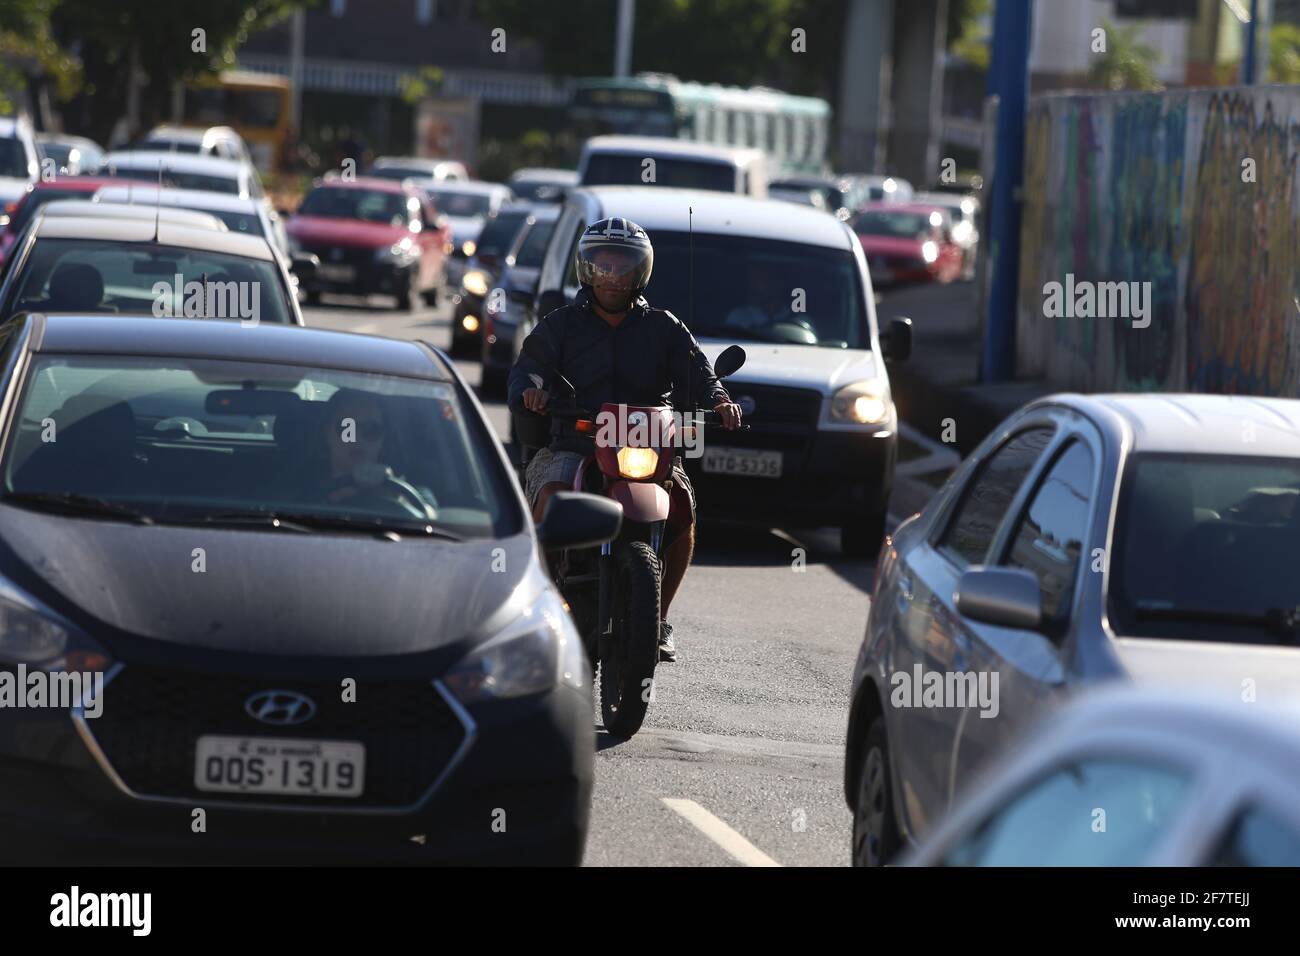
pixel 742 461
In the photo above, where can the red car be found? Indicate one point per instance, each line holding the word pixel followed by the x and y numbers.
pixel 908 242
pixel 371 235
pixel 20 211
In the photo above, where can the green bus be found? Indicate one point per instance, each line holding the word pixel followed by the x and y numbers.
pixel 793 130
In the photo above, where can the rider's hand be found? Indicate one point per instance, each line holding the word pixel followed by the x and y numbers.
pixel 535 400
pixel 730 413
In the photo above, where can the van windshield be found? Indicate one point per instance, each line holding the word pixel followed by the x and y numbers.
pixel 629 169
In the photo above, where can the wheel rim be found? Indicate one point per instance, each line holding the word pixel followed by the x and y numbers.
pixel 871 808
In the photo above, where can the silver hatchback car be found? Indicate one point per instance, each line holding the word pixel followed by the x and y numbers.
pixel 1141 537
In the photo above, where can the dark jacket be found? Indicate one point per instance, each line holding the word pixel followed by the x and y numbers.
pixel 648 359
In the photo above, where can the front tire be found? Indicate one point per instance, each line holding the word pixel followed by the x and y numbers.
pixel 628 656
pixel 875 829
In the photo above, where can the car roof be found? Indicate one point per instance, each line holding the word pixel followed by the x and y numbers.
pixel 728 214
pixel 1197 423
pixel 48 137
pixel 208 338
pixel 544 174
pixel 377 183
pixel 9 126
pixel 189 134
pixel 664 146
pixel 78 183
pixel 109 228
pixel 147 194
pixel 74 208
pixel 180 162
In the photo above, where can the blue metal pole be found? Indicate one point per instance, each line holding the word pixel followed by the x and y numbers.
pixel 1009 81
pixel 1248 60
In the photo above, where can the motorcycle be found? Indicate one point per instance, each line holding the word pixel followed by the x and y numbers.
pixel 614 594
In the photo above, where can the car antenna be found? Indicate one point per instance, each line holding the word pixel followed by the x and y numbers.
pixel 157 207
pixel 690 300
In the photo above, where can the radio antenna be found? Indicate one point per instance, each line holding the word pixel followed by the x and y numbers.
pixel 690 300
pixel 157 208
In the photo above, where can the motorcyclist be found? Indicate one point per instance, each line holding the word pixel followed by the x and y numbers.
pixel 613 346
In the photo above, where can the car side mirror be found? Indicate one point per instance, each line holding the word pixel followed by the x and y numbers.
pixel 1007 597
pixel 549 301
pixel 304 264
pixel 896 342
pixel 574 519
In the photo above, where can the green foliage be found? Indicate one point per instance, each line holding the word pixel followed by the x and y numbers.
pixel 969 35
pixel 1127 64
pixel 1284 53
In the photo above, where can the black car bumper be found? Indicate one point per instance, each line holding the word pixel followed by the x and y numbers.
pixel 365 279
pixel 826 476
pixel 512 784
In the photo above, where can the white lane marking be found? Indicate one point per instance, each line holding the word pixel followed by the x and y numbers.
pixel 719 832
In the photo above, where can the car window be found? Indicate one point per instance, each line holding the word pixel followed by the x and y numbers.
pixel 183 180
pixel 628 169
pixel 371 205
pixel 989 494
pixel 1258 838
pixel 499 232
pixel 1091 813
pixel 1049 537
pixel 533 247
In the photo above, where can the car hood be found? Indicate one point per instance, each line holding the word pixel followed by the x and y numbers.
pixel 797 366
pixel 1219 669
pixel 889 245
pixel 12 188
pixel 267 592
pixel 350 233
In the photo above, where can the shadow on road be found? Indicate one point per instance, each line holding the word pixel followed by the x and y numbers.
pixel 726 544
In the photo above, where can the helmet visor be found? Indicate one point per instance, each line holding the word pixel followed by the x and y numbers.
pixel 614 266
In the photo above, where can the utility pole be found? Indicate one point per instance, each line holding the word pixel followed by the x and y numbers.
pixel 1248 68
pixel 1009 82
pixel 297 40
pixel 623 38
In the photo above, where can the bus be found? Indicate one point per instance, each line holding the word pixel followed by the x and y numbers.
pixel 794 131
pixel 255 105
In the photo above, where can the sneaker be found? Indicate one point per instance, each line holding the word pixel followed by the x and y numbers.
pixel 667 651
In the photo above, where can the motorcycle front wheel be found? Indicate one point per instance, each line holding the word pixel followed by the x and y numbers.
pixel 628 655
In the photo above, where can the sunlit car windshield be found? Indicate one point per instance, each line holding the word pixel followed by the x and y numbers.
pixel 370 205
pixel 904 225
pixel 453 203
pixel 182 180
pixel 1208 548
pixel 199 440
pixel 760 289
pixel 96 276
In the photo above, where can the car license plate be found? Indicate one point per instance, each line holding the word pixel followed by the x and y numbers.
pixel 332 272
pixel 325 768
pixel 742 461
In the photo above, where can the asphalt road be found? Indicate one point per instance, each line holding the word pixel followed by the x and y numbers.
pixel 740 759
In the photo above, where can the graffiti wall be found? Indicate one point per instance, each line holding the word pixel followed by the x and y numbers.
pixel 1161 242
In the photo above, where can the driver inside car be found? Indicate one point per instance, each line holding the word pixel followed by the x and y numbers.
pixel 355 430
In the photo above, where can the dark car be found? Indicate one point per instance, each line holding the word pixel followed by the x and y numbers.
pixel 109 258
pixel 371 236
pixel 301 591
pixel 21 211
pixel 508 310
pixel 481 271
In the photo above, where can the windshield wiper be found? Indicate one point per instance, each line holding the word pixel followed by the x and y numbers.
pixel 1283 622
pixel 71 503
pixel 307 522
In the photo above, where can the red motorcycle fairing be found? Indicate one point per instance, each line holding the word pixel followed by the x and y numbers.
pixel 655 422
pixel 642 501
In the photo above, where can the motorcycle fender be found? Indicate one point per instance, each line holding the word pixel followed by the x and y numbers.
pixel 642 501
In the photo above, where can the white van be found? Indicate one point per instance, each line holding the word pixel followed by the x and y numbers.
pixel 660 161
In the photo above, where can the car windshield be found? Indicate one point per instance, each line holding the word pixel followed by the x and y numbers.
pixel 246 222
pixel 760 289
pixel 538 190
pixel 173 145
pixel 533 248
pixel 400 172
pixel 627 169
pixel 38 198
pixel 13 159
pixel 97 276
pixel 453 203
pixel 881 222
pixel 370 205
pixel 180 440
pixel 182 180
pixel 1208 548
pixel 499 233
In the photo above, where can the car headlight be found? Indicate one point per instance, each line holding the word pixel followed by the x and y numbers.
pixel 468 247
pixel 637 462
pixel 539 650
pixel 475 283
pixel 929 251
pixel 864 403
pixel 399 252
pixel 28 636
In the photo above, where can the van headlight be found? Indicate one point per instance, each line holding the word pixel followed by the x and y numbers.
pixel 637 462
pixel 863 403
pixel 538 650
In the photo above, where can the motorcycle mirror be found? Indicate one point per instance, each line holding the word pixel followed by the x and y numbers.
pixel 729 361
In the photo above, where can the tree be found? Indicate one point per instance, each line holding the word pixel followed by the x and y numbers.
pixel 1127 63
pixel 1284 53
pixel 27 47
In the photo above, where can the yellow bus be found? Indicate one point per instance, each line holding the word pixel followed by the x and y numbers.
pixel 255 105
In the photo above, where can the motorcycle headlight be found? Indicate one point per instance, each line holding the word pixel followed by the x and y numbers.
pixel 539 650
pixel 929 251
pixel 475 283
pixel 637 462
pixel 863 403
